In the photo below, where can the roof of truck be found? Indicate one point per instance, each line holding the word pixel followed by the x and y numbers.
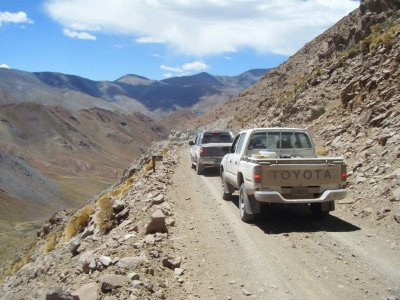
pixel 275 128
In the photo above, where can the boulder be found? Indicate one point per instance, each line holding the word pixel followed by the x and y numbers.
pixel 110 282
pixel 172 263
pixel 73 245
pixel 57 293
pixel 132 262
pixel 89 291
pixel 157 223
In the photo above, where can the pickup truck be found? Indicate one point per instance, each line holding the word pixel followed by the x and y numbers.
pixel 280 165
pixel 208 149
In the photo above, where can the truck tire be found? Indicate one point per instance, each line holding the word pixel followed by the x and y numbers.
pixel 317 212
pixel 244 201
pixel 226 189
pixel 199 168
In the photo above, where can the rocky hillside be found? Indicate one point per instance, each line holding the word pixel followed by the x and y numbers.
pixel 119 244
pixel 344 86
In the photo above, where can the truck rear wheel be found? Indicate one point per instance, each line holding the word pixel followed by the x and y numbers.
pixel 226 194
pixel 243 202
pixel 199 168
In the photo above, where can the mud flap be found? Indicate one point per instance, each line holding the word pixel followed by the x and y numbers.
pixel 251 205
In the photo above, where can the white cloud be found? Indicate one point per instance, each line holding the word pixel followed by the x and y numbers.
pixel 206 27
pixel 4 66
pixel 17 18
pixel 195 66
pixel 185 69
pixel 171 69
pixel 149 40
pixel 78 35
pixel 168 75
pixel 227 57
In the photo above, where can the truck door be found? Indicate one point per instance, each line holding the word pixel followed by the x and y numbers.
pixel 234 157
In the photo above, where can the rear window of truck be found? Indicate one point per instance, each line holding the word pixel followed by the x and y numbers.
pixel 279 140
pixel 209 138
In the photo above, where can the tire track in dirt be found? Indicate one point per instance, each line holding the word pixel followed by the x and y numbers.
pixel 285 255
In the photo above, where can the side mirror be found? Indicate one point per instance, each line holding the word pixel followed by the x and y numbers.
pixel 191 143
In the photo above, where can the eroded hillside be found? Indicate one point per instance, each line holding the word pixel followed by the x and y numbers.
pixel 344 86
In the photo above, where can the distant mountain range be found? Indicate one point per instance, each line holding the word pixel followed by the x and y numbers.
pixel 127 94
pixel 63 137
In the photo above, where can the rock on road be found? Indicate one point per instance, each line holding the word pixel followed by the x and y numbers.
pixel 284 255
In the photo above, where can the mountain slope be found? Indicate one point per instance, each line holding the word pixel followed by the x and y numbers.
pixel 52 158
pixel 344 86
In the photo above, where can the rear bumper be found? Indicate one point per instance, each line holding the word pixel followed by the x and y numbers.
pixel 210 162
pixel 276 197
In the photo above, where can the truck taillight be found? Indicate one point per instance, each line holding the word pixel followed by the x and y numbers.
pixel 343 176
pixel 201 151
pixel 257 174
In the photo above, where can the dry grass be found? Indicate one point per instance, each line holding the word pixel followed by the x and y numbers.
pixel 321 152
pixel 51 243
pixel 106 213
pixel 381 35
pixel 18 263
pixel 164 151
pixel 78 222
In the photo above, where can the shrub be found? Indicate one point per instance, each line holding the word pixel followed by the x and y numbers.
pixel 51 243
pixel 78 222
pixel 105 214
pixel 164 151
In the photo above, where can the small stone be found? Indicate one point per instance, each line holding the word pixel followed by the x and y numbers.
pixel 118 205
pixel 73 245
pixel 88 231
pixel 172 263
pixel 246 292
pixel 170 222
pixel 137 283
pixel 110 282
pixel 93 264
pixel 133 276
pixel 149 239
pixel 397 217
pixel 178 271
pixel 396 195
pixel 88 291
pixel 105 260
pixel 158 199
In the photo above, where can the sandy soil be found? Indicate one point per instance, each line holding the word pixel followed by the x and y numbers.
pixel 284 255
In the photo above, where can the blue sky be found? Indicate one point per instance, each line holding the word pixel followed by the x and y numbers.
pixel 104 40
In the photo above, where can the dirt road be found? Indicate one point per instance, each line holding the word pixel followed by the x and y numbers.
pixel 284 255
